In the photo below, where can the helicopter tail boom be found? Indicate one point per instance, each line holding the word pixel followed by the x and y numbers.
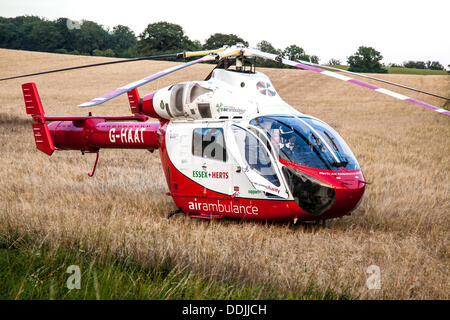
pixel 89 133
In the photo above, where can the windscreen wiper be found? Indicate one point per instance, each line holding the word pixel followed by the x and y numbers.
pixel 340 163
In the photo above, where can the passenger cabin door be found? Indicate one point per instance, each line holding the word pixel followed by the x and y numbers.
pixel 211 166
pixel 255 160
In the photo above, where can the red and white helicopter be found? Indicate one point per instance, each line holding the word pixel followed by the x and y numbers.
pixel 229 145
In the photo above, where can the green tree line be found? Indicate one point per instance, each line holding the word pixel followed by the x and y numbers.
pixel 430 65
pixel 63 36
pixel 90 38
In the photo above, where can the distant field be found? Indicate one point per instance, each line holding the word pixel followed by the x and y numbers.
pixel 402 224
pixel 395 70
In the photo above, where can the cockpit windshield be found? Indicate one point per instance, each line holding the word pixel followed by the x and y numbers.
pixel 308 142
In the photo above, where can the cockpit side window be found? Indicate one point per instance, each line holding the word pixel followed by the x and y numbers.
pixel 272 129
pixel 256 156
pixel 307 142
pixel 293 144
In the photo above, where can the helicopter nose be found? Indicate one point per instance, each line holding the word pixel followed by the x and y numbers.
pixel 348 195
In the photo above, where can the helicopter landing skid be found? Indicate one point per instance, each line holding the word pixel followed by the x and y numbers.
pixel 206 216
pixel 308 224
pixel 174 213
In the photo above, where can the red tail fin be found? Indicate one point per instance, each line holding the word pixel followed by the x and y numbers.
pixel 34 107
pixel 33 102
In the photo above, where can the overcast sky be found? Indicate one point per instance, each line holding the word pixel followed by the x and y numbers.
pixel 401 30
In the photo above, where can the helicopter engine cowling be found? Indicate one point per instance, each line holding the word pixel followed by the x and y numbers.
pixel 183 100
pixel 226 95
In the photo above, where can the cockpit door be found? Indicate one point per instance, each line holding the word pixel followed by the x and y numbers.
pixel 255 160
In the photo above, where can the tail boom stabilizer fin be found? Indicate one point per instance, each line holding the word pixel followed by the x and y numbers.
pixel 43 139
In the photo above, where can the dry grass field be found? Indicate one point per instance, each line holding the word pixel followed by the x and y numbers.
pixel 402 225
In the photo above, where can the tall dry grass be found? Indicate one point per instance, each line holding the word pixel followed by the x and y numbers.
pixel 402 225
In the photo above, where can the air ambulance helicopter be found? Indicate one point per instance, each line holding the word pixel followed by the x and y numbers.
pixel 229 145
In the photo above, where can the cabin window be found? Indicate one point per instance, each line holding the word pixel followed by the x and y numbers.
pixel 209 143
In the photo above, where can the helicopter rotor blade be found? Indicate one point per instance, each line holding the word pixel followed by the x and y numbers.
pixel 189 54
pixel 278 58
pixel 95 65
pixel 161 56
pixel 369 77
pixel 117 92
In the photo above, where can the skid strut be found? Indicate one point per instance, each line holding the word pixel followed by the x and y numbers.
pixel 95 164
